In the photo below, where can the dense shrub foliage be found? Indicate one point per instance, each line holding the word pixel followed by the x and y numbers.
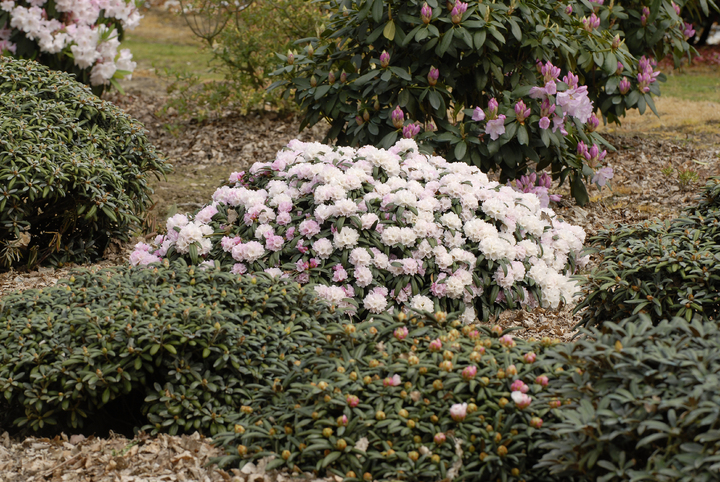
pixel 644 403
pixel 420 398
pixel 194 343
pixel 661 269
pixel 440 61
pixel 73 168
pixel 379 229
pixel 81 37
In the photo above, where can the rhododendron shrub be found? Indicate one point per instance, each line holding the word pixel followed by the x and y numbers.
pixel 380 229
pixel 76 36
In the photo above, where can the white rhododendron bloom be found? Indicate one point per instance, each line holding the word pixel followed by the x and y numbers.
pixel 385 229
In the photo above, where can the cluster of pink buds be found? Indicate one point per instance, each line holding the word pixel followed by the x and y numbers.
pixel 507 341
pixel 397 117
pixel 522 112
pixel 620 68
pixel 529 357
pixel 352 401
pixel 519 386
pixel 593 123
pixel 411 130
pixel 536 422
pixel 439 438
pixel 521 400
pixel 644 16
pixel 624 86
pixel 433 76
pixel 591 23
pixel 568 10
pixel 593 154
pixel 457 12
pixel 676 7
pixel 426 13
pixel 435 345
pixel 549 72
pixel 538 185
pixel 542 380
pixel 646 75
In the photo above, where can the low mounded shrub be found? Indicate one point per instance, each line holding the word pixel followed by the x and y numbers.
pixel 195 344
pixel 81 37
pixel 659 269
pixel 378 230
pixel 641 403
pixel 413 397
pixel 73 168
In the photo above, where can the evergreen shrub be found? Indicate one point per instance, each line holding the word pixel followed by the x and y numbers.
pixel 189 345
pixel 73 169
pixel 659 269
pixel 640 402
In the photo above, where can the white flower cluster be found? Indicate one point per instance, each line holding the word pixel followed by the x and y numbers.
pixel 92 45
pixel 388 228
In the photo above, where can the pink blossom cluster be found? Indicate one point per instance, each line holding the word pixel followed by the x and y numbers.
pixel 356 221
pixel 646 74
pixel 76 33
pixel 538 185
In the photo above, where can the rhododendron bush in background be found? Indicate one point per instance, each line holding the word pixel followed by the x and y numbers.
pixel 379 229
pixel 77 36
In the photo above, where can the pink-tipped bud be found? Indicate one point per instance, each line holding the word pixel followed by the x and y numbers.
pixel 620 68
pixel 616 42
pixel 310 50
pixel 366 115
pixel 331 77
pixel 290 58
pixel 342 421
pixel 435 345
pixel 529 357
pixel 469 373
pixel 439 438
pixel 384 59
pixel 507 341
pixel 343 77
pixel 592 123
pixel 555 403
pixel 522 112
pixel 457 12
pixel 676 7
pixel 519 386
pixel 359 120
pixel 433 76
pixel 492 108
pixel 624 86
pixel 496 330
pixel 426 14
pixel 397 117
pixel 401 333
pixel 568 10
pixel 352 400
pixel 645 15
pixel 458 412
pixel 542 380
pixel 536 422
pixel 511 370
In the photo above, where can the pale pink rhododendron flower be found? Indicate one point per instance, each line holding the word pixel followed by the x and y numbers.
pixel 521 399
pixel 458 411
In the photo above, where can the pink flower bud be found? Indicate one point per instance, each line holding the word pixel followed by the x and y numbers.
pixel 384 59
pixel 542 380
pixel 331 77
pixel 536 422
pixel 435 345
pixel 555 403
pixel 507 341
pixel 511 370
pixel 521 400
pixel 469 373
pixel 492 108
pixel 620 68
pixel 439 438
pixel 393 381
pixel 522 112
pixel 426 13
pixel 676 7
pixel 544 122
pixel 529 357
pixel 592 123
pixel 401 333
pixel 359 120
pixel 411 130
pixel 342 421
pixel 433 76
pixel 310 50
pixel 458 412
pixel 398 118
pixel 689 32
pixel 352 400
pixel 519 386
pixel 343 77
pixel 616 42
pixel 457 12
pixel 568 10
pixel 624 86
pixel 496 330
pixel 290 58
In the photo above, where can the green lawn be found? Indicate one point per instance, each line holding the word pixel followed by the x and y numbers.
pixel 701 84
pixel 162 55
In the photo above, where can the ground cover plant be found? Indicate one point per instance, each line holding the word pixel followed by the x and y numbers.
pixel 79 37
pixel 438 63
pixel 182 346
pixel 659 269
pixel 641 402
pixel 378 229
pixel 73 169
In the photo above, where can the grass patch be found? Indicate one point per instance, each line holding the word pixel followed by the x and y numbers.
pixel 161 55
pixel 697 84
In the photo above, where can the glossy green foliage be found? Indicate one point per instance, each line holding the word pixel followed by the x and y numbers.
pixel 643 403
pixel 73 169
pixel 661 269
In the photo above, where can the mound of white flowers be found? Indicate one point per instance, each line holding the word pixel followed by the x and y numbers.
pixel 378 229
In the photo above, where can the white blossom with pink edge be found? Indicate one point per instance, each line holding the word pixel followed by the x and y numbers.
pixel 415 231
